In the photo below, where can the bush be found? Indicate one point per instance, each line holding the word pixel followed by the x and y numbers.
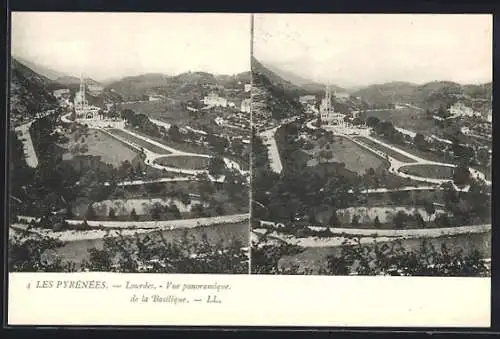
pixel 394 259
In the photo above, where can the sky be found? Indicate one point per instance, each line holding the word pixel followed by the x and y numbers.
pixel 113 45
pixel 361 49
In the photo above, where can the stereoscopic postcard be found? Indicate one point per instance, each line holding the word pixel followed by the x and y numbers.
pixel 223 169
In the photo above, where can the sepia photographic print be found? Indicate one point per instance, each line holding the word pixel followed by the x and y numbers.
pixel 372 143
pixel 251 164
pixel 129 142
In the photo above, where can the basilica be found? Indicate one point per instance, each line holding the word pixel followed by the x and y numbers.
pixel 82 109
pixel 327 112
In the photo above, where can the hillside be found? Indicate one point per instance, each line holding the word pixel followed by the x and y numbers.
pixel 304 84
pixel 184 86
pixel 69 80
pixel 272 95
pixel 28 92
pixel 431 95
pixel 47 72
pixel 134 87
pixel 233 81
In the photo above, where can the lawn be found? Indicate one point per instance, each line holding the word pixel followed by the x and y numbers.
pixel 429 171
pixel 355 157
pixel 180 146
pixel 187 162
pixel 100 144
pixel 388 151
pixel 142 143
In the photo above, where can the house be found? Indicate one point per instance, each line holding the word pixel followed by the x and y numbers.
pixel 246 105
pixel 459 109
pixel 61 93
pixel 155 97
pixel 95 88
pixel 213 99
pixel 307 99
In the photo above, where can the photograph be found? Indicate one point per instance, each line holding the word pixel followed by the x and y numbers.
pixel 129 142
pixel 371 144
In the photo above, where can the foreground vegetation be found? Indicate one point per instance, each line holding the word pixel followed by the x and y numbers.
pixel 386 259
pixel 149 253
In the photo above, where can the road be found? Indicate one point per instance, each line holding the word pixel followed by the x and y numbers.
pixel 272 147
pixel 29 149
pixel 370 235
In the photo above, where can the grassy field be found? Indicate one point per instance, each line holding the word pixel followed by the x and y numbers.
pixel 429 171
pixel 355 158
pixel 181 146
pixel 187 162
pixel 100 144
pixel 390 152
pixel 143 143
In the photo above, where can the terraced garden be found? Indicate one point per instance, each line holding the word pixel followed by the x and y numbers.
pixel 186 162
pixel 429 171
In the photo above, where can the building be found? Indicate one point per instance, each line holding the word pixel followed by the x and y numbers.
pixel 246 105
pixel 327 113
pixel 459 109
pixel 307 99
pixel 213 99
pixel 155 97
pixel 61 93
pixel 82 109
pixel 95 88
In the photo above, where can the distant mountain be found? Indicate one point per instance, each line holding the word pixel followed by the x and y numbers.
pixel 47 72
pixel 233 81
pixel 380 94
pixel 187 85
pixel 29 92
pixel 69 80
pixel 431 95
pixel 134 87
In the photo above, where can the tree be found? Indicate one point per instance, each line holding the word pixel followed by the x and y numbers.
pixel 430 209
pixel 357 121
pixel 174 133
pixel 134 215
pixel 420 141
pixel 355 220
pixel 198 210
pixel 420 221
pixel 461 176
pixel 399 220
pixel 372 122
pixel 216 165
pixel 156 211
pixel 334 219
pixel 90 214
pixel 112 214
